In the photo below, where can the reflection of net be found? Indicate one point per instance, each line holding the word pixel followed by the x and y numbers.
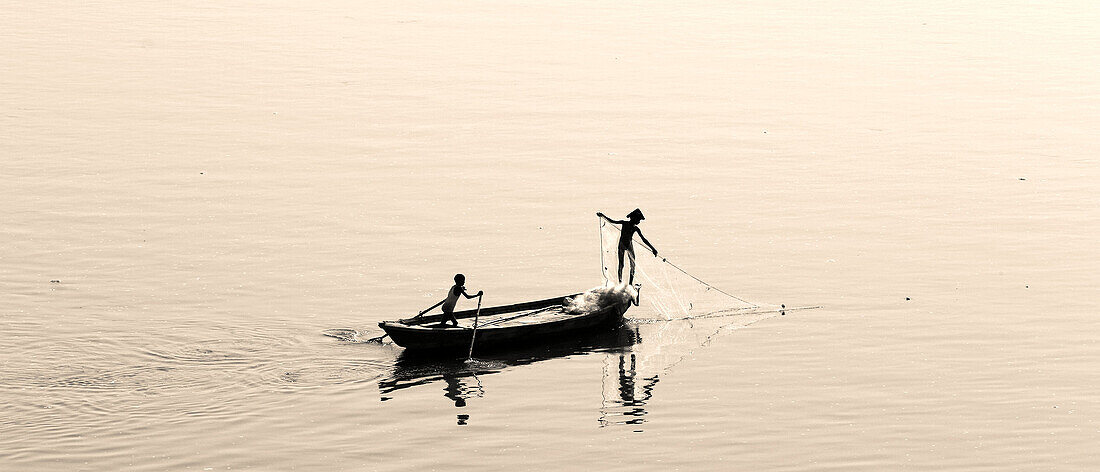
pixel 629 377
pixel 672 292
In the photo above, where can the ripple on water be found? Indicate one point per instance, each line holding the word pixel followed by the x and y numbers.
pixel 319 372
pixel 86 383
pixel 206 352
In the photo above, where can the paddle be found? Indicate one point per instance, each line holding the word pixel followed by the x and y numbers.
pixel 470 355
pixel 418 315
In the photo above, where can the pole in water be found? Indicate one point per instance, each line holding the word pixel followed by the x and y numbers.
pixel 473 336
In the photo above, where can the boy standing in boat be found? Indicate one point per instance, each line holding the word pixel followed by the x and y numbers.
pixel 626 236
pixel 459 288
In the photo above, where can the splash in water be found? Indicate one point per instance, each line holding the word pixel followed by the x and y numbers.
pixel 344 334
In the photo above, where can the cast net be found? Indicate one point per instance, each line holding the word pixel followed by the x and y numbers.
pixel 687 315
pixel 669 290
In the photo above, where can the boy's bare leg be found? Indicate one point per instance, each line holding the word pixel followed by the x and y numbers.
pixel 621 251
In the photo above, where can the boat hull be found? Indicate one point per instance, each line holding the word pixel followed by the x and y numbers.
pixel 423 334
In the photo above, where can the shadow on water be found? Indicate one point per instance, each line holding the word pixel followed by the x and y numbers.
pixel 462 379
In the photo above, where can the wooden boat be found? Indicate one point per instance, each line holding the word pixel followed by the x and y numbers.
pixel 502 326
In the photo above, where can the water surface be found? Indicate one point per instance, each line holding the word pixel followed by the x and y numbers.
pixel 214 186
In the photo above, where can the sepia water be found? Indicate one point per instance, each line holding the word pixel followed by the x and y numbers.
pixel 193 195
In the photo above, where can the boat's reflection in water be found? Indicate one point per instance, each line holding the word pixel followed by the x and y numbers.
pixel 625 393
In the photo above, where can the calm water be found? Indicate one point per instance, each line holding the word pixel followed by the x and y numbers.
pixel 215 186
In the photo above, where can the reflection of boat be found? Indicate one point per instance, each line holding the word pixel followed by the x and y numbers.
pixel 461 380
pixel 635 358
pixel 413 368
pixel 503 326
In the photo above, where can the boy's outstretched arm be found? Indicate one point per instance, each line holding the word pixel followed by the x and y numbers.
pixel 601 215
pixel 646 241
pixel 468 296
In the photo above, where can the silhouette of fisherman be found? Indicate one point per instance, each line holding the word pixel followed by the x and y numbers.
pixel 626 239
pixel 459 288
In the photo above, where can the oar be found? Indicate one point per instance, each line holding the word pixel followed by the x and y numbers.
pixel 379 338
pixel 418 315
pixel 470 355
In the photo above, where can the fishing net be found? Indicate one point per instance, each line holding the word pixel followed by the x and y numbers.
pixel 670 291
pixel 599 298
pixel 690 314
